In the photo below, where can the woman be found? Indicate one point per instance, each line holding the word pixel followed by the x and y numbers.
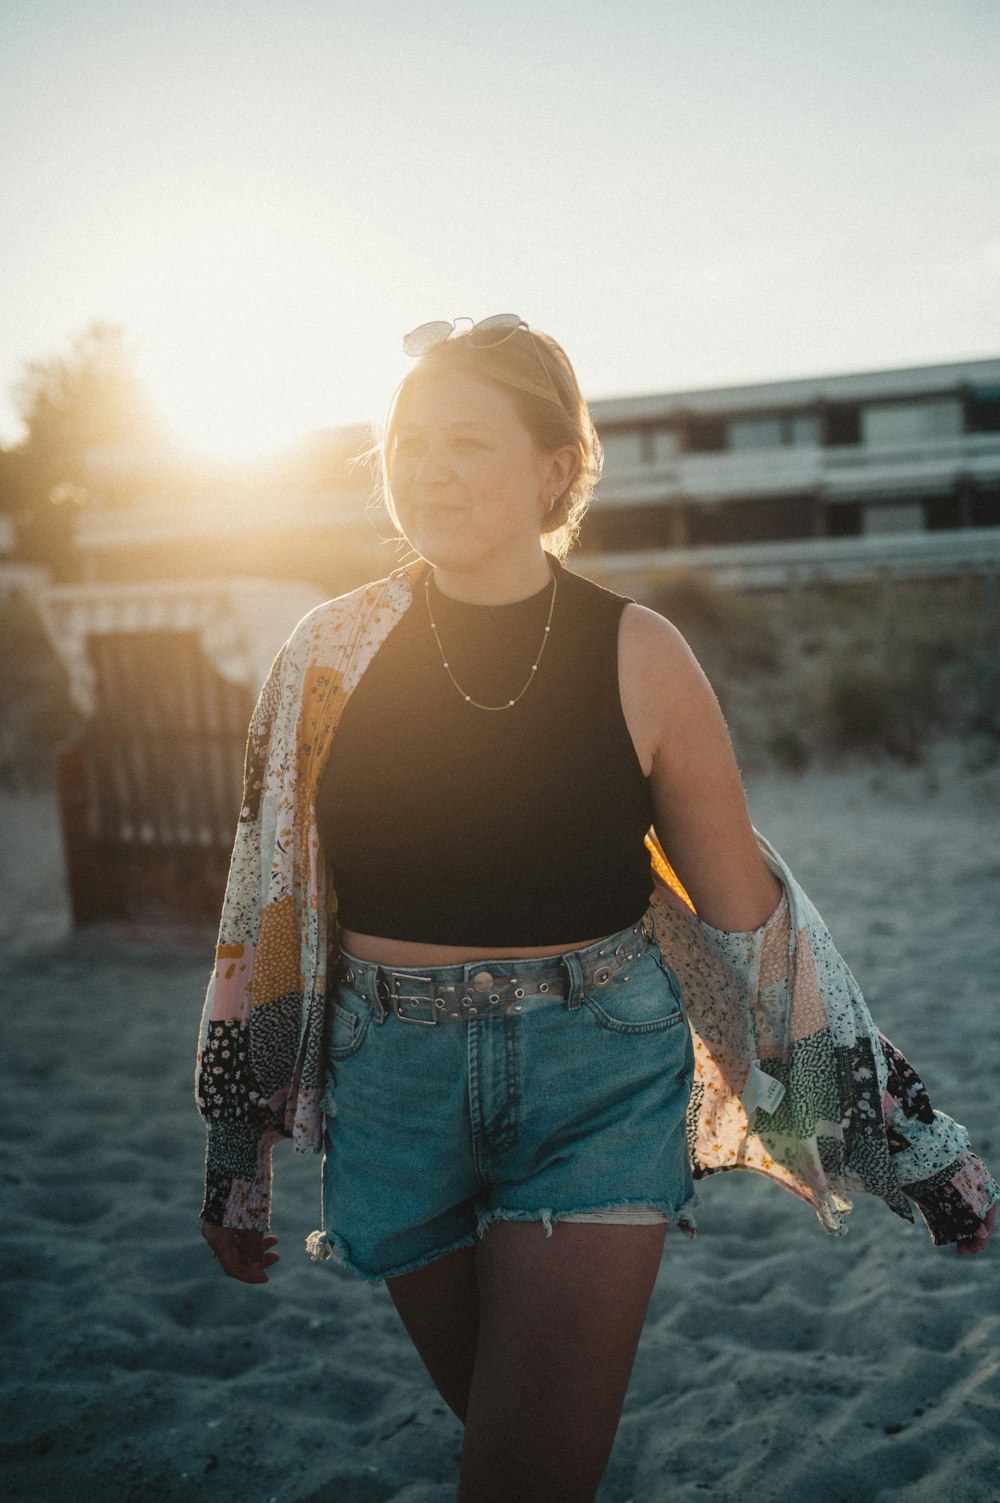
pixel 438 932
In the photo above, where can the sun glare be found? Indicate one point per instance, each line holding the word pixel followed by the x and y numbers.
pixel 252 340
pixel 229 398
pixel 233 393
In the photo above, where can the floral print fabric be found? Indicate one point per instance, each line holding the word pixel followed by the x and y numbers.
pixel 854 1116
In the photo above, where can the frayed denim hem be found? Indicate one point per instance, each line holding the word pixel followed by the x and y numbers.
pixel 682 1217
pixel 327 1246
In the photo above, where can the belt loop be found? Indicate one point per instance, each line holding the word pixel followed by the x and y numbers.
pixel 379 992
pixel 574 994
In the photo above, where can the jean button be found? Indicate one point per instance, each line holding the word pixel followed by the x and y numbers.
pixel 482 980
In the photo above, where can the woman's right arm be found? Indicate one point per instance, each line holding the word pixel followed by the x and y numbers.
pixel 242 1253
pixel 241 1132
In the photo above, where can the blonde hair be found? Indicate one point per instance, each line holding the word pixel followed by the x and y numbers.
pixel 538 374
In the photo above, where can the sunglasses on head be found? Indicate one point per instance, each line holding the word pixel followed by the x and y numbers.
pixel 486 332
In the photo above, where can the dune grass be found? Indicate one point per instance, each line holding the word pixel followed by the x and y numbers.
pixel 834 673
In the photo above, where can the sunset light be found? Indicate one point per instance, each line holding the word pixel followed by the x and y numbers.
pixel 265 210
pixel 238 386
pixel 248 330
pixel 499 531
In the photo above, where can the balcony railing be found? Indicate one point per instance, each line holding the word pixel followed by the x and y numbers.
pixel 713 477
pixel 784 565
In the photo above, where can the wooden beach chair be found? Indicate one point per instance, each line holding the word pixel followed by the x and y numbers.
pixel 149 794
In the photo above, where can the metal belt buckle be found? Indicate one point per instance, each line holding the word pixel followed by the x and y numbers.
pixel 397 1002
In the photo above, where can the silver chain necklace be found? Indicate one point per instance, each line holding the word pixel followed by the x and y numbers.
pixel 534 667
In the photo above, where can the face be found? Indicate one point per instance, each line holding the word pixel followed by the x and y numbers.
pixel 468 482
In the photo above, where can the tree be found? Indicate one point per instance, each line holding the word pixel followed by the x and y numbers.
pixel 92 398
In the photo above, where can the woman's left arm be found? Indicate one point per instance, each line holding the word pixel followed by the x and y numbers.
pixel 699 807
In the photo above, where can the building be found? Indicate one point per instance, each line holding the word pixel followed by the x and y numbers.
pixel 826 477
pixel 884 458
pixel 307 513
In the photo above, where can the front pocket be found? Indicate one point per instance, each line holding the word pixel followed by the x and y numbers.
pixel 648 1001
pixel 347 1024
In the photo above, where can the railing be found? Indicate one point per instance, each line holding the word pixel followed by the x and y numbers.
pixel 785 565
pixel 833 471
pixel 163 519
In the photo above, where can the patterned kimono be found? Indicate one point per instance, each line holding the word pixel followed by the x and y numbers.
pixel 775 1012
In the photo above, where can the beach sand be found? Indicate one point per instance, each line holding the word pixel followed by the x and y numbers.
pixel 778 1364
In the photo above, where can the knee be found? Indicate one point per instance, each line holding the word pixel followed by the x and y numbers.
pixel 497 1467
pixel 500 1489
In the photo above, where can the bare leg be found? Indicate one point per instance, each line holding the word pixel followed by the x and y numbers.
pixel 560 1321
pixel 439 1306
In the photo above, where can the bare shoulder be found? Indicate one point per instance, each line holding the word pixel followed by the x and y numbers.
pixel 699 808
pixel 651 643
pixel 661 681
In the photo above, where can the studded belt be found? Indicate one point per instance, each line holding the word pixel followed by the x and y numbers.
pixel 492 988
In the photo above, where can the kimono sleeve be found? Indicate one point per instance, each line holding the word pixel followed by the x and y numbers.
pixel 850 1113
pixel 934 1160
pixel 242 1129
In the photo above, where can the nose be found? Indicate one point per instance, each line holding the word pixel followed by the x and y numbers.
pixel 433 465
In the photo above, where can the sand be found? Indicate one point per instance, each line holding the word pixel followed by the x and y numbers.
pixel 777 1364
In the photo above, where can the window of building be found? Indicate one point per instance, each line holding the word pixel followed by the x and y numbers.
pixel 624 448
pixel 842 519
pixel 943 512
pixel 624 529
pixel 985 509
pixel 983 410
pixel 911 422
pixel 665 446
pixel 704 436
pixel 779 432
pixel 802 430
pixel 755 433
pixel 893 517
pixel 768 519
pixel 841 424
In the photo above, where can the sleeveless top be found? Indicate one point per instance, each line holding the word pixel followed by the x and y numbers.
pixel 450 824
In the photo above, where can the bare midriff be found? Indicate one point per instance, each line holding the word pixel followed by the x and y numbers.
pixel 405 952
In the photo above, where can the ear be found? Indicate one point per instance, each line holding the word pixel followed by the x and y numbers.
pixel 563 465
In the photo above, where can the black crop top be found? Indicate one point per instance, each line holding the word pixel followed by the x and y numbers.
pixel 450 824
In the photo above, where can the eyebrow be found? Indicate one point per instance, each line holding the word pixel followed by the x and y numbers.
pixel 460 423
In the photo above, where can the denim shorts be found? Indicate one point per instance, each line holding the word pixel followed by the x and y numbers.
pixel 534 1089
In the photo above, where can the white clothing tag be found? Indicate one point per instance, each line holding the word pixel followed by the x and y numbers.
pixel 761 1090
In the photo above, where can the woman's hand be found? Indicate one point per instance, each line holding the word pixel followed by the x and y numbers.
pixel 243 1254
pixel 979 1239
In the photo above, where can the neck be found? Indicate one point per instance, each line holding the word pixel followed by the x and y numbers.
pixel 500 582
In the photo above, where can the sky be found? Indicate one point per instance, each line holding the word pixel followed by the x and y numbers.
pixel 684 193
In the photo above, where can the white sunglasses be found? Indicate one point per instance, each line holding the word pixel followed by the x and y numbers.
pixel 487 331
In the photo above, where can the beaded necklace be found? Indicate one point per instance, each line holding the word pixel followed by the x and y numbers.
pixel 509 704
